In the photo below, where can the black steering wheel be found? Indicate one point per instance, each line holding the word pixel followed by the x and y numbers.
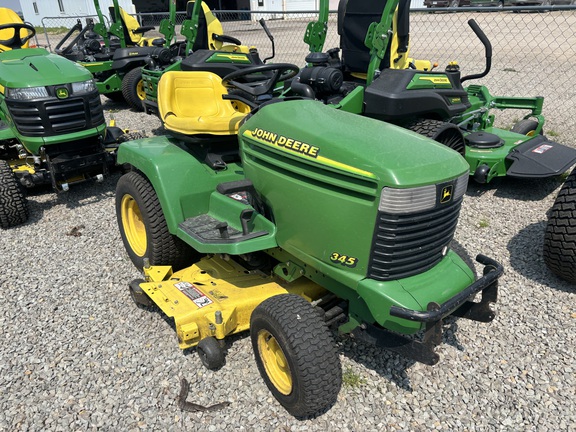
pixel 265 85
pixel 16 41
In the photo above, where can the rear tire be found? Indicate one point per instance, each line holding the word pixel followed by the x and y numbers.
pixel 445 133
pixel 13 203
pixel 143 227
pixel 133 89
pixel 560 236
pixel 295 354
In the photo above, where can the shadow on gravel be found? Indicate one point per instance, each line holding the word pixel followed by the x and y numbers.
pixel 516 189
pixel 525 250
pixel 78 196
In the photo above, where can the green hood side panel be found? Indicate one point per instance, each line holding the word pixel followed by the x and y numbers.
pixel 34 67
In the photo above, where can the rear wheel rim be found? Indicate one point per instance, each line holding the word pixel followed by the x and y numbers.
pixel 133 225
pixel 275 362
pixel 140 90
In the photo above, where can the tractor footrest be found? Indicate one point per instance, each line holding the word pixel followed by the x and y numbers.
pixel 207 229
pixel 539 157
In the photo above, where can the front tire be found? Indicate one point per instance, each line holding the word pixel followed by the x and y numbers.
pixel 13 203
pixel 133 89
pixel 295 354
pixel 525 127
pixel 560 236
pixel 143 227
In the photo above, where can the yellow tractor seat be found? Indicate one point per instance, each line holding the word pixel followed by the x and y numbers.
pixel 191 103
pixel 8 16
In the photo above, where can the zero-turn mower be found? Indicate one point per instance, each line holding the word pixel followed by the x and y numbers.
pixel 52 127
pixel 288 217
pixel 430 102
pixel 115 55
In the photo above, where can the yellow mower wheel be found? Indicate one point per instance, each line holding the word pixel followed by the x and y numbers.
pixel 143 227
pixel 295 354
pixel 274 362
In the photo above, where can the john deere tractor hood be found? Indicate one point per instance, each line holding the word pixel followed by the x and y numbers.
pixel 320 135
pixel 33 67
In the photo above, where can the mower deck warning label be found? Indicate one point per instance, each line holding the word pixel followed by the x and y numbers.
pixel 189 290
pixel 542 148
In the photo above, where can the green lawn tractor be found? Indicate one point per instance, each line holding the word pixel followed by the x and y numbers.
pixel 205 48
pixel 560 237
pixel 297 217
pixel 115 55
pixel 433 103
pixel 52 127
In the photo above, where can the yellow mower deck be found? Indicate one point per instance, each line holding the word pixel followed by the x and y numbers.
pixel 215 297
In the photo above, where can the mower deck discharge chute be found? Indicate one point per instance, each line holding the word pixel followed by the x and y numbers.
pixel 298 217
pixel 52 128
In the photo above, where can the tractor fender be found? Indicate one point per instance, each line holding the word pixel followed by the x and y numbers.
pixel 182 182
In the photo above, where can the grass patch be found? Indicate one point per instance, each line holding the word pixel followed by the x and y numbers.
pixel 351 378
pixel 552 133
pixel 483 223
pixel 52 30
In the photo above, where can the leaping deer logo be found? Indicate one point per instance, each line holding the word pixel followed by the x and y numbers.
pixel 446 194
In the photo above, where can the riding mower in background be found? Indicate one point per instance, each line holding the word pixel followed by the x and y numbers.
pixel 432 103
pixel 560 237
pixel 205 48
pixel 114 56
pixel 52 128
pixel 297 217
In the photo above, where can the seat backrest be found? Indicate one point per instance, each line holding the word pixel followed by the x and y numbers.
pixel 8 16
pixel 208 26
pixel 354 18
pixel 129 24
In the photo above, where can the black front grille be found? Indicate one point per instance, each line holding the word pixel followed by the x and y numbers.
pixel 407 245
pixel 49 117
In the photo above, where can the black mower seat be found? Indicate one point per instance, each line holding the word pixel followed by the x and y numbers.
pixel 354 18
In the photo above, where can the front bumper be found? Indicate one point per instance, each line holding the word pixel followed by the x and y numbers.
pixel 492 271
pixel 460 305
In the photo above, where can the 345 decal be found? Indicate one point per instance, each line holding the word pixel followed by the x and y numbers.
pixel 344 260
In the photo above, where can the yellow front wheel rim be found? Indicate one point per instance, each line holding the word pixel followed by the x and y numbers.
pixel 275 362
pixel 133 225
pixel 140 90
